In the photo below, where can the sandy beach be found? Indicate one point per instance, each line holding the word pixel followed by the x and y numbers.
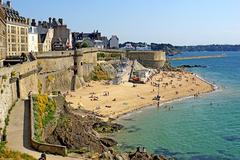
pixel 112 101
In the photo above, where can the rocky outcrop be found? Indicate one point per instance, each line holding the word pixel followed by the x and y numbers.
pixel 192 66
pixel 75 130
pixel 138 155
pixel 108 142
pixel 75 133
pixel 107 127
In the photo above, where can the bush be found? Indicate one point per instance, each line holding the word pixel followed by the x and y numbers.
pixel 39 87
pixel 84 45
pixel 44 111
pixel 13 74
pixel 101 56
pixel 4 77
pixel 98 74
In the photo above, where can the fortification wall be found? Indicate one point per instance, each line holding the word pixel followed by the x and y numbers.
pixel 15 82
pixel 8 95
pixel 27 74
pixel 148 58
pixel 57 81
pixel 52 64
pixel 57 62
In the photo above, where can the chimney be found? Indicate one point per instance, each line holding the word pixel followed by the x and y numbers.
pixel 28 21
pixel 60 20
pixel 50 21
pixel 44 24
pixel 9 4
pixel 33 23
pixel 39 23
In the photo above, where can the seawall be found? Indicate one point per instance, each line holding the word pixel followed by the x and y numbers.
pixel 58 71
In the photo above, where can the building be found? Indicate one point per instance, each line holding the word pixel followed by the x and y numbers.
pixel 61 35
pixel 105 41
pixel 32 38
pixel 45 37
pixel 56 32
pixel 3 41
pixel 17 32
pixel 114 42
pixel 128 47
pixel 98 44
pixel 95 37
pixel 85 43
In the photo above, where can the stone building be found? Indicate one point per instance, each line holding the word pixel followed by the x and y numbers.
pixel 17 32
pixel 61 35
pixel 114 42
pixel 3 41
pixel 61 39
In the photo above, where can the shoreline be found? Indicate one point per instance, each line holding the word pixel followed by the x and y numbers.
pixel 119 117
pixel 215 88
pixel 127 99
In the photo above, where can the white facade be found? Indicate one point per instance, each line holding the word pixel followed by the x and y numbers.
pixel 32 39
pixel 98 44
pixel 114 42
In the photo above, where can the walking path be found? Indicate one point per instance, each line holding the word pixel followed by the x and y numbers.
pixel 18 136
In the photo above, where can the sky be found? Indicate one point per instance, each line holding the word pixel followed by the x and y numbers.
pixel 178 22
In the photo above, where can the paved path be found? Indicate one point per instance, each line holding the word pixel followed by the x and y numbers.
pixel 18 132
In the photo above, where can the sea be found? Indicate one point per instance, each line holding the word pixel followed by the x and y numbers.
pixel 203 128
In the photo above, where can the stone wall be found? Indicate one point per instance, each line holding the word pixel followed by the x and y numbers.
pixel 56 62
pixel 57 81
pixel 59 66
pixel 153 59
pixel 42 147
pixel 27 73
pixel 15 82
pixel 8 95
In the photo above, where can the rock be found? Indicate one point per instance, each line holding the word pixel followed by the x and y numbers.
pixel 118 157
pixel 75 132
pixel 192 66
pixel 125 156
pixel 108 142
pixel 106 127
pixel 106 156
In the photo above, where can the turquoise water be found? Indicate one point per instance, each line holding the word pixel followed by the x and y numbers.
pixel 206 128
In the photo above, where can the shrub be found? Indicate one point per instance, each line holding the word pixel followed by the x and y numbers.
pixel 44 111
pixel 4 77
pixel 39 87
pixel 84 45
pixel 50 78
pixel 13 74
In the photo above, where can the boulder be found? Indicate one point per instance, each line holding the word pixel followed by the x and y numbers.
pixel 108 142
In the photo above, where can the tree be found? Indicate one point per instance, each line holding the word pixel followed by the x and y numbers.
pixel 84 45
